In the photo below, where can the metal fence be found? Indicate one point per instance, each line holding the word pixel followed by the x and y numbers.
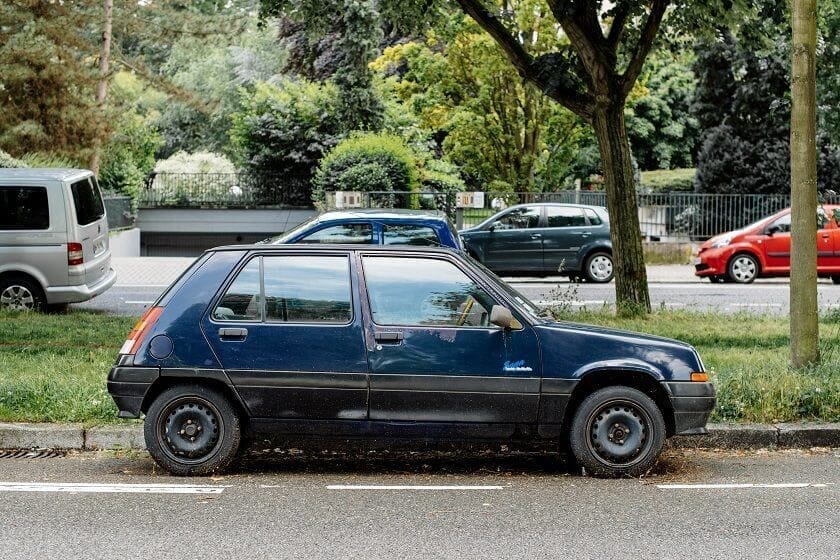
pixel 662 216
pixel 224 190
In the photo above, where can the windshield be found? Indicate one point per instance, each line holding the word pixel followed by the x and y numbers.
pixel 524 305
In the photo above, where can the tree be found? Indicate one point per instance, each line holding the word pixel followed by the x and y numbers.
pixel 104 77
pixel 804 321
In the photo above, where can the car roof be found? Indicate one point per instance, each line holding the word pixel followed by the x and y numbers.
pixel 382 214
pixel 570 204
pixel 335 247
pixel 42 173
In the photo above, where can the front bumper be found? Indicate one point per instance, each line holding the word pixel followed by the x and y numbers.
pixel 128 387
pixel 82 292
pixel 711 262
pixel 693 403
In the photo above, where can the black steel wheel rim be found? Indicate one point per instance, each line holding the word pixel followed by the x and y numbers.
pixel 190 429
pixel 619 433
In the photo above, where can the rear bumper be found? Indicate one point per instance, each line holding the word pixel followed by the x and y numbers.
pixel 82 292
pixel 693 404
pixel 128 387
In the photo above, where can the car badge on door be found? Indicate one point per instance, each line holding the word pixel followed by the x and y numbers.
pixel 516 366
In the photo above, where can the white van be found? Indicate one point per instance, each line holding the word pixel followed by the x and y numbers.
pixel 53 238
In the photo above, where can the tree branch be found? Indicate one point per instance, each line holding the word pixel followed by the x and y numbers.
pixel 643 47
pixel 550 79
pixel 622 10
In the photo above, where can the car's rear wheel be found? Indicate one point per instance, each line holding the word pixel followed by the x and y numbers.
pixel 617 431
pixel 599 267
pixel 18 293
pixel 743 269
pixel 192 430
pixel 835 279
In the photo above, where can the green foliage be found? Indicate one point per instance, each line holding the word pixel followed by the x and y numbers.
pixel 46 159
pixel 7 161
pixel 394 165
pixel 669 180
pixel 443 176
pixel 129 156
pixel 286 128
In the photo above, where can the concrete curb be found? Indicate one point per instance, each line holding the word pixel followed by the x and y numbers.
pixel 130 436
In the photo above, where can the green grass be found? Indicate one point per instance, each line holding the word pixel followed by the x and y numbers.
pixel 749 357
pixel 53 367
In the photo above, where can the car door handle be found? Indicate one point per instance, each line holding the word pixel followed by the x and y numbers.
pixel 233 333
pixel 536 235
pixel 394 337
pixel 825 236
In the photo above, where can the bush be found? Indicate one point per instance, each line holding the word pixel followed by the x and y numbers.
pixel 129 156
pixel 7 161
pixel 199 162
pixel 195 178
pixel 385 151
pixel 668 180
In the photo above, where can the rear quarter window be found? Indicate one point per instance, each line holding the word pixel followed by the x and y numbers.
pixel 24 208
pixel 88 201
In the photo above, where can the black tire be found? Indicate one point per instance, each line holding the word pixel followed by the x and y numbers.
pixel 835 279
pixel 168 429
pixel 20 293
pixel 608 419
pixel 599 267
pixel 742 268
pixel 715 279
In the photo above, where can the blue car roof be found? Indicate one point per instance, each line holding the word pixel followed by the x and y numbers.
pixel 381 214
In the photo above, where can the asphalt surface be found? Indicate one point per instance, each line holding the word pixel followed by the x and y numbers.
pixel 761 297
pixel 294 505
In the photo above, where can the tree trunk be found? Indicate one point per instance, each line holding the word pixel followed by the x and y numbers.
pixel 631 290
pixel 804 322
pixel 102 86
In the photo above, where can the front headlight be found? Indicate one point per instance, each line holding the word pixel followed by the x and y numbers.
pixel 722 242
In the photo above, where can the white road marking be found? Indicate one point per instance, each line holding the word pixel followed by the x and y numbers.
pixel 735 486
pixel 408 487
pixel 580 303
pixel 109 488
pixel 755 304
pixel 135 286
pixel 133 302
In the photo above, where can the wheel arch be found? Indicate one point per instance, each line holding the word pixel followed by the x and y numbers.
pixel 20 273
pixel 164 382
pixel 635 379
pixel 749 251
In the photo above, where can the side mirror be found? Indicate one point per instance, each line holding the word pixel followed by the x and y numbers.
pixel 772 229
pixel 494 225
pixel 502 317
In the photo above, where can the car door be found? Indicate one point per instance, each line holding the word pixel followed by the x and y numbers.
pixel 434 356
pixel 776 244
pixel 828 259
pixel 566 231
pixel 514 241
pixel 288 332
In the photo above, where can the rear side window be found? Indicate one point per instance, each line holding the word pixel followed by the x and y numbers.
pixel 594 218
pixel 24 208
pixel 88 201
pixel 565 216
pixel 342 234
pixel 407 234
pixel 241 301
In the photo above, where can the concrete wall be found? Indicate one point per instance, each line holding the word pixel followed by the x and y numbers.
pixel 188 232
pixel 125 243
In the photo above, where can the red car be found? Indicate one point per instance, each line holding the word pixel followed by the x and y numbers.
pixel 763 249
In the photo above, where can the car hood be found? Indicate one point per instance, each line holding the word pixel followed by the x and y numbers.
pixel 574 349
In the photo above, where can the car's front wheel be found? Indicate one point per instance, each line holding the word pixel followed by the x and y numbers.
pixel 617 431
pixel 743 269
pixel 192 430
pixel 599 267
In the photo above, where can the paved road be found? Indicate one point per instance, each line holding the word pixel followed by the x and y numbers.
pixel 761 297
pixel 479 507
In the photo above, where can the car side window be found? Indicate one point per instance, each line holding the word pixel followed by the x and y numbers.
pixel 594 218
pixel 342 234
pixel 783 224
pixel 307 289
pixel 822 218
pixel 424 292
pixel 241 301
pixel 565 216
pixel 24 208
pixel 520 218
pixel 408 234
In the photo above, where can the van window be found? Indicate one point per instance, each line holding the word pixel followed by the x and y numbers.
pixel 24 208
pixel 88 201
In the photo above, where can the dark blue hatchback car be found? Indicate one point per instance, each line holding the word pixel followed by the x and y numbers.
pixel 407 343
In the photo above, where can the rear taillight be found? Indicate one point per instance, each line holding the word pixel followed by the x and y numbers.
pixel 75 255
pixel 138 333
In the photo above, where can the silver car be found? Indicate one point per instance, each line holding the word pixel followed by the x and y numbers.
pixel 53 238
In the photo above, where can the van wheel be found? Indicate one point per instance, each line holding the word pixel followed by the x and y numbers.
pixel 742 268
pixel 18 293
pixel 617 431
pixel 192 430
pixel 599 267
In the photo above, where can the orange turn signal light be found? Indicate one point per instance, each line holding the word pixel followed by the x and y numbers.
pixel 699 376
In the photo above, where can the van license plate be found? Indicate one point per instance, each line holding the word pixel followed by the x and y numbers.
pixel 98 247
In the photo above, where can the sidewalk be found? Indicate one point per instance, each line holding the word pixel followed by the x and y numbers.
pixel 130 436
pixel 162 271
